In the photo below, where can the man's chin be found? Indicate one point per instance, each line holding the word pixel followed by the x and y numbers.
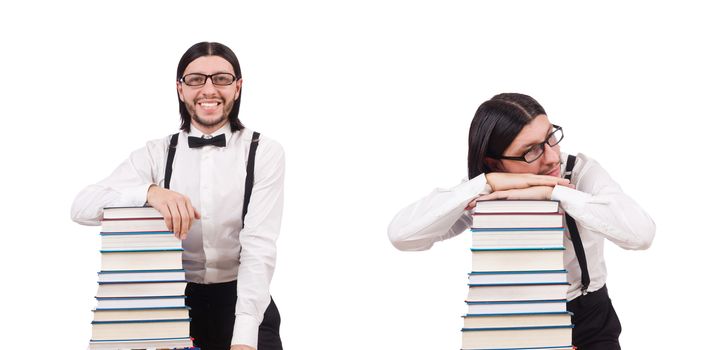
pixel 556 171
pixel 208 121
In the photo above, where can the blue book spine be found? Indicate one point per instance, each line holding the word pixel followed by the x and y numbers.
pixel 141 250
pixel 520 314
pixel 516 328
pixel 514 249
pixel 139 271
pixel 142 321
pixel 143 308
pixel 521 284
pixel 137 298
pixel 127 282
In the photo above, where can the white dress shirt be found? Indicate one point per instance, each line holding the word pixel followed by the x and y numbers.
pixel 216 249
pixel 598 205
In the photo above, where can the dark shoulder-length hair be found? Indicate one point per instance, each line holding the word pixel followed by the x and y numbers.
pixel 209 49
pixel 495 124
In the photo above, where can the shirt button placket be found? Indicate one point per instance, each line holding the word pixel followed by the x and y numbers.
pixel 206 200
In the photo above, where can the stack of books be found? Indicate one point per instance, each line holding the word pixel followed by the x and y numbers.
pixel 140 298
pixel 518 285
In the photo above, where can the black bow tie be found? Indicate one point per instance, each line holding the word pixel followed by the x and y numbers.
pixel 197 142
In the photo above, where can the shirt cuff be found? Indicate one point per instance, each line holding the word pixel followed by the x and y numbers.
pixel 570 198
pixel 245 331
pixel 473 187
pixel 134 196
pixel 486 187
pixel 466 191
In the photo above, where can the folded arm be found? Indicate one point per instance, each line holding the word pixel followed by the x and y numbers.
pixel 126 186
pixel 599 204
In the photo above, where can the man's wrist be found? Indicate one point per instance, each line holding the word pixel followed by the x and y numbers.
pixel 134 196
pixel 149 190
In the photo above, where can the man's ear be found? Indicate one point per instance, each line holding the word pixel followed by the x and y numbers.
pixel 179 92
pixel 493 164
pixel 238 87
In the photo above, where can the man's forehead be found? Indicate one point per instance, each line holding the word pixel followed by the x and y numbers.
pixel 534 132
pixel 209 65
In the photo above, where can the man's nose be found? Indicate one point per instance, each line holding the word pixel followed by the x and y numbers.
pixel 551 154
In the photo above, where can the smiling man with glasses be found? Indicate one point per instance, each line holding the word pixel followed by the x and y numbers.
pixel 219 186
pixel 514 153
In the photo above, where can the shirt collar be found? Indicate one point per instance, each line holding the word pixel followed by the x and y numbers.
pixel 225 129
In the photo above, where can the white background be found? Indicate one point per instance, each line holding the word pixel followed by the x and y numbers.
pixel 372 103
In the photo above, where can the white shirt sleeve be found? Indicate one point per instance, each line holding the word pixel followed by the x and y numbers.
pixel 599 204
pixel 126 186
pixel 258 242
pixel 438 216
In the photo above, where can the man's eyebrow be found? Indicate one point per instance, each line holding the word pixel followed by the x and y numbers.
pixel 529 145
pixel 218 72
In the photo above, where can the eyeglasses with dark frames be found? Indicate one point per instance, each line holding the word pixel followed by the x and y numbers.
pixel 199 79
pixel 536 151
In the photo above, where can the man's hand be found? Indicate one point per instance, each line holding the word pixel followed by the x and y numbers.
pixel 533 192
pixel 241 347
pixel 176 209
pixel 519 186
pixel 508 181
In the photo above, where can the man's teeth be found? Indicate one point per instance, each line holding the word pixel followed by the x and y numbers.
pixel 208 104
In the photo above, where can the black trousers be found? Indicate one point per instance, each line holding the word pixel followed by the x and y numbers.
pixel 212 309
pixel 596 325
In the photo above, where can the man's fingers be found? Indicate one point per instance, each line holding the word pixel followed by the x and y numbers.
pixel 177 210
pixel 191 212
pixel 546 180
pixel 167 217
pixel 175 219
pixel 184 219
pixel 190 216
pixel 489 197
pixel 472 203
pixel 563 182
pixel 496 195
pixel 503 194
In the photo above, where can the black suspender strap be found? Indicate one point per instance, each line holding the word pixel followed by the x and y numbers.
pixel 575 238
pixel 249 173
pixel 170 159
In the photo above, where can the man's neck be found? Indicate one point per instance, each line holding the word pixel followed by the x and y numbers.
pixel 208 130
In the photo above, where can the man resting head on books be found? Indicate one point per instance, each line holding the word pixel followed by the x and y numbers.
pixel 514 154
